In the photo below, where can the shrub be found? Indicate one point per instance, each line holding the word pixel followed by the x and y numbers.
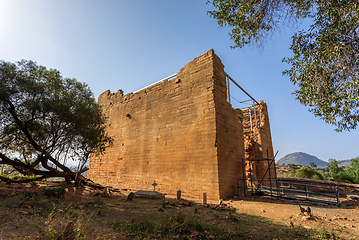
pixel 349 174
pixel 291 174
pixel 29 194
pixel 33 184
pixel 344 177
pixel 57 192
pixel 306 172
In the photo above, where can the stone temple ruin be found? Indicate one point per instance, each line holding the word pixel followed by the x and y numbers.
pixel 183 134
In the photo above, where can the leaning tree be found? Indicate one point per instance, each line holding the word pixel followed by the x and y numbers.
pixel 46 121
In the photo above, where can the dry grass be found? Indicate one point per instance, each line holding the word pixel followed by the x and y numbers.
pixel 36 216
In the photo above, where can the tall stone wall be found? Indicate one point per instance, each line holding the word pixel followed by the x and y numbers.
pixel 169 133
pixel 182 134
pixel 229 138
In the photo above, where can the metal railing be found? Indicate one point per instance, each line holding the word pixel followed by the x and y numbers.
pixel 162 80
pixel 310 192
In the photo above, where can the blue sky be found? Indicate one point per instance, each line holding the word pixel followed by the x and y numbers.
pixel 118 44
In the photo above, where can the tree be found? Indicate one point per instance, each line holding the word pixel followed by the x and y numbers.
pixel 334 168
pixel 348 174
pixel 326 56
pixel 312 165
pixel 353 170
pixel 45 120
pixel 306 172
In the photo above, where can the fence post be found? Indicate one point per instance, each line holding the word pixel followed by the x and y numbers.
pixel 306 192
pixel 337 195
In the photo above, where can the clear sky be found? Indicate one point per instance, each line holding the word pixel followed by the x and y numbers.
pixel 119 44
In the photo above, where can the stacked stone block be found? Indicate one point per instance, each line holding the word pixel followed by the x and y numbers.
pixel 180 133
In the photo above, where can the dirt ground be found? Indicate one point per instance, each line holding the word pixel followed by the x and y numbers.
pixel 98 217
pixel 343 220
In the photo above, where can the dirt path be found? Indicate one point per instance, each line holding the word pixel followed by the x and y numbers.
pixel 332 219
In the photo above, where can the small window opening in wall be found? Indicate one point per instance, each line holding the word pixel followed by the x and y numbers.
pixel 128 115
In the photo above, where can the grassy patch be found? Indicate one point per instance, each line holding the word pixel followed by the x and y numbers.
pixel 28 215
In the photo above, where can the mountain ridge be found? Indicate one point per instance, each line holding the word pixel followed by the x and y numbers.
pixel 303 159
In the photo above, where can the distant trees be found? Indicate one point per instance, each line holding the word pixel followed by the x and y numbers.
pixel 348 174
pixel 306 172
pixel 312 165
pixel 325 57
pixel 46 120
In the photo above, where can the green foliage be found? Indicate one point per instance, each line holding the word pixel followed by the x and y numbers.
pixel 325 64
pixel 45 117
pixel 353 170
pixel 17 176
pixel 33 184
pixel 57 192
pixel 293 165
pixel 325 175
pixel 349 174
pixel 334 168
pixel 29 194
pixel 325 61
pixel 4 175
pixel 32 176
pixel 291 174
pixel 312 165
pixel 306 172
pixel 253 21
pixel 145 227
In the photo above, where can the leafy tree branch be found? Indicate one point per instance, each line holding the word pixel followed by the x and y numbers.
pixel 325 57
pixel 45 120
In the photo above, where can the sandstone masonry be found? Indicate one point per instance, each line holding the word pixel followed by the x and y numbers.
pixel 181 133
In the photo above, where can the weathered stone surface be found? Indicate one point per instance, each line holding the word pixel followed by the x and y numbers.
pixel 130 196
pixel 148 194
pixel 258 145
pixel 182 134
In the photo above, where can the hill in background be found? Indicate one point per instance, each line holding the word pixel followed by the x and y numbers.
pixel 303 159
